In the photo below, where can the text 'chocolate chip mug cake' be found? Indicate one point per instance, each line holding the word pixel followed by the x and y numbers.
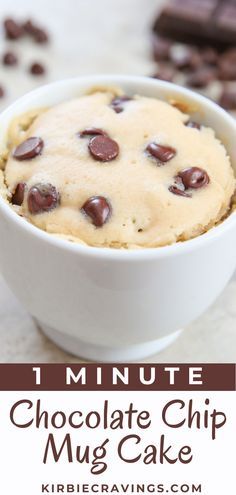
pixel 109 170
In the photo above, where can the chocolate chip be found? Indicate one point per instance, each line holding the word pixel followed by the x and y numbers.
pixel 186 58
pixel 162 153
pixel 227 69
pixel 9 58
pixel 201 78
pixel 161 48
pixel 179 192
pixel 228 99
pixel 29 26
pixel 178 188
pixel 194 177
pixel 193 125
pixel 39 34
pixel 42 198
pixel 37 69
pixel 117 104
pixel 18 195
pixel 103 148
pixel 98 209
pixel 164 74
pixel 13 30
pixel 92 131
pixel 230 53
pixel 210 56
pixel 2 92
pixel 181 60
pixel 30 148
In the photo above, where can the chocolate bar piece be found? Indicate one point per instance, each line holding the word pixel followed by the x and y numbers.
pixel 201 22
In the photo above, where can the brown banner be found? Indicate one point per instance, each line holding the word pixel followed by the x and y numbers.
pixel 118 377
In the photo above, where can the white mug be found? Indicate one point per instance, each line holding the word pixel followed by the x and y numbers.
pixel 108 304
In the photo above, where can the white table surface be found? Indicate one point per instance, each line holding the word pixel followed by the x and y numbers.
pixel 96 36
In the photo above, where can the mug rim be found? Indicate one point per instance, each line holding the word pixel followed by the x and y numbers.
pixel 130 254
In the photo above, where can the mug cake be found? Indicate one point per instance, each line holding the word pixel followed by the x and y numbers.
pixel 110 170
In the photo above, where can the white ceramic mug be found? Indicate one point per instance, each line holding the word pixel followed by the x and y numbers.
pixel 110 304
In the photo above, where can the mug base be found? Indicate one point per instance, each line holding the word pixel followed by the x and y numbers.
pixel 105 354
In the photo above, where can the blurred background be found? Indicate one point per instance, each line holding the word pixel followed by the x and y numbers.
pixel 64 38
pixel 46 40
pixel 85 37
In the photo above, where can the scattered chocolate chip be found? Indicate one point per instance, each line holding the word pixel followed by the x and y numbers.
pixel 164 74
pixel 37 69
pixel 162 153
pixel 228 99
pixel 194 177
pixel 193 124
pixel 18 195
pixel 118 103
pixel 39 34
pixel 98 209
pixel 28 26
pixel 209 56
pixel 185 58
pixel 103 148
pixel 92 131
pixel 9 58
pixel 42 198
pixel 229 54
pixel 201 78
pixel 13 30
pixel 227 69
pixel 181 60
pixel 2 92
pixel 30 148
pixel 161 48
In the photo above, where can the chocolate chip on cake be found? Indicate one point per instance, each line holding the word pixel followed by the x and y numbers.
pixel 42 198
pixel 178 188
pixel 18 195
pixel 194 177
pixel 162 153
pixel 189 178
pixel 118 103
pixel 103 148
pixel 30 148
pixel 92 131
pixel 98 209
